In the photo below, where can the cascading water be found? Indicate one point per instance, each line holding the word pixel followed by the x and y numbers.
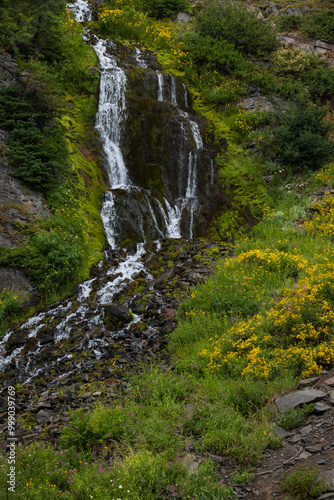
pixel 81 10
pixel 165 215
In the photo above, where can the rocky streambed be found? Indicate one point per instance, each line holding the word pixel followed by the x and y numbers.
pixel 70 353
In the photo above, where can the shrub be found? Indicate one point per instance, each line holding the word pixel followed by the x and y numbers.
pixel 319 25
pixel 289 23
pixel 225 21
pixel 320 81
pixel 291 418
pixel 303 483
pixel 293 61
pixel 303 137
pixel 209 54
pixel 164 8
pixel 227 91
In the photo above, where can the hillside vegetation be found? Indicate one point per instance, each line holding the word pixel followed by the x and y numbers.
pixel 265 317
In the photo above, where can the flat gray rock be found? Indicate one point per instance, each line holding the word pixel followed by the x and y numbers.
pixel 331 399
pixel 298 398
pixel 282 433
pixel 321 408
pixel 330 381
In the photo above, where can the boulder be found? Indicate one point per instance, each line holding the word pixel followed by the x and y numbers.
pixel 299 398
pixel 116 315
pixel 272 9
pixel 183 18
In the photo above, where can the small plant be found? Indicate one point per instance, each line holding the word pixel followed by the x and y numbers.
pixel 291 418
pixel 243 477
pixel 303 483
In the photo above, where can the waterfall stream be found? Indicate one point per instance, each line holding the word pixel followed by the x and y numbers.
pixel 110 120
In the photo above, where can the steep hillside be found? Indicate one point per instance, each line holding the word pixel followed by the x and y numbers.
pixel 179 155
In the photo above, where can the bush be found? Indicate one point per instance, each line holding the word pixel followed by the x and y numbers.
pixel 289 23
pixel 293 61
pixel 303 483
pixel 225 21
pixel 319 25
pixel 320 81
pixel 164 8
pixel 303 137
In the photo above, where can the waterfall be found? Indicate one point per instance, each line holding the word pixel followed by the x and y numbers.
pixel 139 58
pixel 82 314
pixel 173 98
pixel 111 115
pixel 81 10
pixel 160 86
pixel 186 102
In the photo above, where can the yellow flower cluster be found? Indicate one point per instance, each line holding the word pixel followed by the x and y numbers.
pixel 295 335
pixel 326 175
pixel 322 222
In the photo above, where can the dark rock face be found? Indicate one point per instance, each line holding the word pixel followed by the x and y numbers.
pixel 13 278
pixel 157 141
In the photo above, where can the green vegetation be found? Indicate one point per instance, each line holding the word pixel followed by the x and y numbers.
pixel 303 484
pixel 225 21
pixel 37 152
pixel 164 8
pixel 319 25
pixel 292 418
pixel 262 320
pixel 52 145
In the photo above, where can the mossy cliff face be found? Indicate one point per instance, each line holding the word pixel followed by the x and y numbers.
pixel 158 139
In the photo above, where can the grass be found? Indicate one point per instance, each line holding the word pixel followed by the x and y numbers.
pixel 262 320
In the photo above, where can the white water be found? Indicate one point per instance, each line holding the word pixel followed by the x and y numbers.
pixel 173 98
pixel 160 86
pixel 82 11
pixel 109 123
pixel 125 272
pixel 112 114
pixel 139 58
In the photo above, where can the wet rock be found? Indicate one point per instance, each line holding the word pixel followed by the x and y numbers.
pixel 16 339
pixel 116 315
pixel 298 398
pixel 46 340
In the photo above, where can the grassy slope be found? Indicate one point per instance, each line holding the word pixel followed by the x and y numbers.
pixel 233 352
pixel 60 251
